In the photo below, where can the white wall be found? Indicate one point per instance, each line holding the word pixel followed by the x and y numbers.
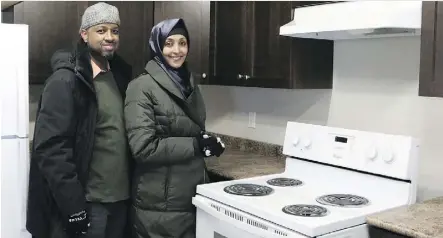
pixel 375 89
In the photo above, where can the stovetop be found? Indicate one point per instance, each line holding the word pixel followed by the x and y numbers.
pixel 301 206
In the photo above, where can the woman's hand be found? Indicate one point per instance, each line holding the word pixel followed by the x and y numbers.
pixel 210 145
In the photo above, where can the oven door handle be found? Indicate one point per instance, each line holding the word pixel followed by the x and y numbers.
pixel 203 204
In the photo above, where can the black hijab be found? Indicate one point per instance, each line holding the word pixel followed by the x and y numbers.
pixel 159 33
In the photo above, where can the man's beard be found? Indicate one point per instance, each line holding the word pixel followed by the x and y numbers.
pixel 98 52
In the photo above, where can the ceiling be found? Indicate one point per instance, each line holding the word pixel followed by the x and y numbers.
pixel 6 4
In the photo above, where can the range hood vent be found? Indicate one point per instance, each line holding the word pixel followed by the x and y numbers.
pixel 355 20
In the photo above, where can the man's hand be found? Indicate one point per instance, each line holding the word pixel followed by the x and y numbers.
pixel 77 224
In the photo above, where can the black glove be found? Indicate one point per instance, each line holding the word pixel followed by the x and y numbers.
pixel 219 149
pixel 210 145
pixel 77 224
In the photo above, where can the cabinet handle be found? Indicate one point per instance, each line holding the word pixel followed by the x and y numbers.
pixel 203 75
pixel 240 76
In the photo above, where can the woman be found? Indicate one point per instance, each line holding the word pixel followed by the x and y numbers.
pixel 165 117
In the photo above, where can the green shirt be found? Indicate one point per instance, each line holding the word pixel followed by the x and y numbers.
pixel 108 173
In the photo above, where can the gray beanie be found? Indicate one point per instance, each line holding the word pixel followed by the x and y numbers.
pixel 100 13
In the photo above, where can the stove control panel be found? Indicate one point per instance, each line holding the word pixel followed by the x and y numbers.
pixel 384 154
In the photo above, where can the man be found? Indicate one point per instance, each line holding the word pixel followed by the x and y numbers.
pixel 79 176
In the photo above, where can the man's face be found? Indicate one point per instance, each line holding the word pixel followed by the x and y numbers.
pixel 175 50
pixel 102 39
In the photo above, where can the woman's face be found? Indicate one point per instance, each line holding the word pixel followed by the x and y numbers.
pixel 175 50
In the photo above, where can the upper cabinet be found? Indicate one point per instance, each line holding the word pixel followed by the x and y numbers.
pixel 52 25
pixel 431 51
pixel 231 43
pixel 247 50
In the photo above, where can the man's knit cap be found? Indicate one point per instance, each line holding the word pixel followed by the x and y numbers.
pixel 100 13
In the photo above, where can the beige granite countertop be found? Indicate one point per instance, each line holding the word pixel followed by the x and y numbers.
pixel 237 164
pixel 245 158
pixel 420 220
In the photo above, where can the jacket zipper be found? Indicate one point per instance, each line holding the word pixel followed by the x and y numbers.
pixel 92 135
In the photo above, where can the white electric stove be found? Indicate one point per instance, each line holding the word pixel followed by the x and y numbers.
pixel 333 179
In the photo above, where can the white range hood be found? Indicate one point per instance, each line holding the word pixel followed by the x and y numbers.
pixel 355 20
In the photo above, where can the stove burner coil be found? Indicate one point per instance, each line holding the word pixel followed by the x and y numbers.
pixel 305 210
pixel 284 182
pixel 247 189
pixel 342 200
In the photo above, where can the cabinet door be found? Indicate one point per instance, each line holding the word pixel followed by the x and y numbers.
pixel 196 17
pixel 272 55
pixel 431 51
pixel 52 26
pixel 233 42
pixel 311 59
pixel 136 24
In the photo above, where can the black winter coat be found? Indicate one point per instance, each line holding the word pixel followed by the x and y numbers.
pixel 63 137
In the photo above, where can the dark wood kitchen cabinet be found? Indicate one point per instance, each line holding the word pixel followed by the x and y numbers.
pixel 247 50
pixel 52 25
pixel 196 17
pixel 232 43
pixel 431 51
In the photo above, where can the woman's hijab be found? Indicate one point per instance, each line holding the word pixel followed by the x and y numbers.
pixel 159 34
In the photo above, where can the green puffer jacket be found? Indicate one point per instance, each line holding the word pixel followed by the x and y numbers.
pixel 169 164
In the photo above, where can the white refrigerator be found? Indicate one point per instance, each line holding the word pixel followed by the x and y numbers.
pixel 14 167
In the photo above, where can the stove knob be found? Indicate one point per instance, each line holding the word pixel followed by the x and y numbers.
pixel 389 157
pixel 371 154
pixel 307 143
pixel 295 141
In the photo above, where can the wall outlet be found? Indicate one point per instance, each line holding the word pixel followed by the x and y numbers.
pixel 252 116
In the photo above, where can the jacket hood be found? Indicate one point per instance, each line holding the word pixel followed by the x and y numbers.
pixel 62 59
pixel 76 60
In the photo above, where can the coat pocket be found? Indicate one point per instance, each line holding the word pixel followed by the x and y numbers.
pixel 150 192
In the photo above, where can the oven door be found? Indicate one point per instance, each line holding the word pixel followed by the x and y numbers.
pixel 215 220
